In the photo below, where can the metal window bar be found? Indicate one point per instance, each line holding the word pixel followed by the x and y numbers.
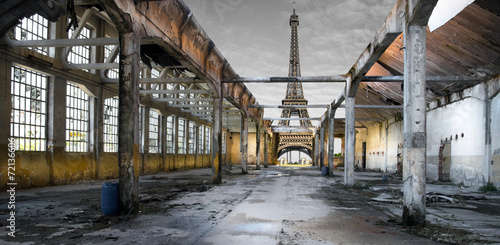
pixel 77 119
pixel 80 54
pixel 110 125
pixel 201 139
pixel 108 51
pixel 207 140
pixel 191 141
pixel 170 134
pixel 35 27
pixel 181 136
pixel 154 131
pixel 28 115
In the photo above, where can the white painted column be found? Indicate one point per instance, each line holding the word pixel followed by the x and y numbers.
pixel 350 137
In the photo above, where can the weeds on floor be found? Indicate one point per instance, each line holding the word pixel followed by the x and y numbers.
pixel 488 187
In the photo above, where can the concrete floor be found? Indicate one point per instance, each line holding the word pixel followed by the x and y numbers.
pixel 277 205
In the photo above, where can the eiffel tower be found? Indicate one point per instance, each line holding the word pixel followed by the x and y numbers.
pixel 295 96
pixel 294 92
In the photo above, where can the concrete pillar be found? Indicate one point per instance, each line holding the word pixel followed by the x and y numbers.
pixel 5 117
pixel 128 124
pixel 266 150
pixel 257 148
pixel 244 144
pixel 322 145
pixel 350 137
pixel 316 150
pixel 331 138
pixel 56 120
pixel 96 127
pixel 414 149
pixel 217 142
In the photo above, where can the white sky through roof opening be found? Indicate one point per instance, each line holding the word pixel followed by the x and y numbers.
pixel 445 10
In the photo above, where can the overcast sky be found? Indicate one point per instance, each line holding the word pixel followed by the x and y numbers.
pixel 254 36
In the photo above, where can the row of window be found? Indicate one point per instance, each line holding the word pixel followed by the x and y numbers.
pixel 28 100
pixel 28 120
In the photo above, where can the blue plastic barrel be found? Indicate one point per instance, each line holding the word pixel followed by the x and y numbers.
pixel 110 200
pixel 324 171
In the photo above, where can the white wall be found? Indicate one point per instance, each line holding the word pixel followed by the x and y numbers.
pixel 462 117
pixel 495 134
pixel 462 113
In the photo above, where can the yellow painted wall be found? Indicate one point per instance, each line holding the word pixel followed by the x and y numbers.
pixel 36 169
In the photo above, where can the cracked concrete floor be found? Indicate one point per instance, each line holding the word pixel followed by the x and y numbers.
pixel 271 206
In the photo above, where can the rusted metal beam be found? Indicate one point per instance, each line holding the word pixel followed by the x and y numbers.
pixel 311 79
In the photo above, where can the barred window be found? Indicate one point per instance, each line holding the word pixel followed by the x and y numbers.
pixel 80 54
pixel 154 131
pixel 191 141
pixel 170 134
pixel 33 28
pixel 110 129
pixel 200 139
pixel 77 119
pixel 181 136
pixel 108 52
pixel 28 115
pixel 223 142
pixel 207 140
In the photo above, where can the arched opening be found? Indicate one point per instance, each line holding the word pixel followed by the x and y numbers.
pixel 295 155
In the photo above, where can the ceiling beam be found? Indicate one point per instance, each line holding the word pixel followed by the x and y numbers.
pixel 293 119
pixel 172 79
pixel 435 79
pixel 391 29
pixel 378 106
pixel 288 106
pixel 184 100
pixel 311 79
pixel 420 11
pixel 174 92
pixel 292 129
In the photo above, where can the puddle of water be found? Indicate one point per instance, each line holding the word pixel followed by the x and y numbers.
pixel 276 175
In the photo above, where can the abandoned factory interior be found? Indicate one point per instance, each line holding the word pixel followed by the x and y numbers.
pixel 167 122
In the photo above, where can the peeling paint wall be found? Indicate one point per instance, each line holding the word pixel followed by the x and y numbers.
pixel 458 119
pixel 233 149
pixel 384 142
pixel 33 169
pixel 462 123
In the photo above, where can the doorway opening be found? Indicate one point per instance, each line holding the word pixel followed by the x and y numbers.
pixel 445 162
